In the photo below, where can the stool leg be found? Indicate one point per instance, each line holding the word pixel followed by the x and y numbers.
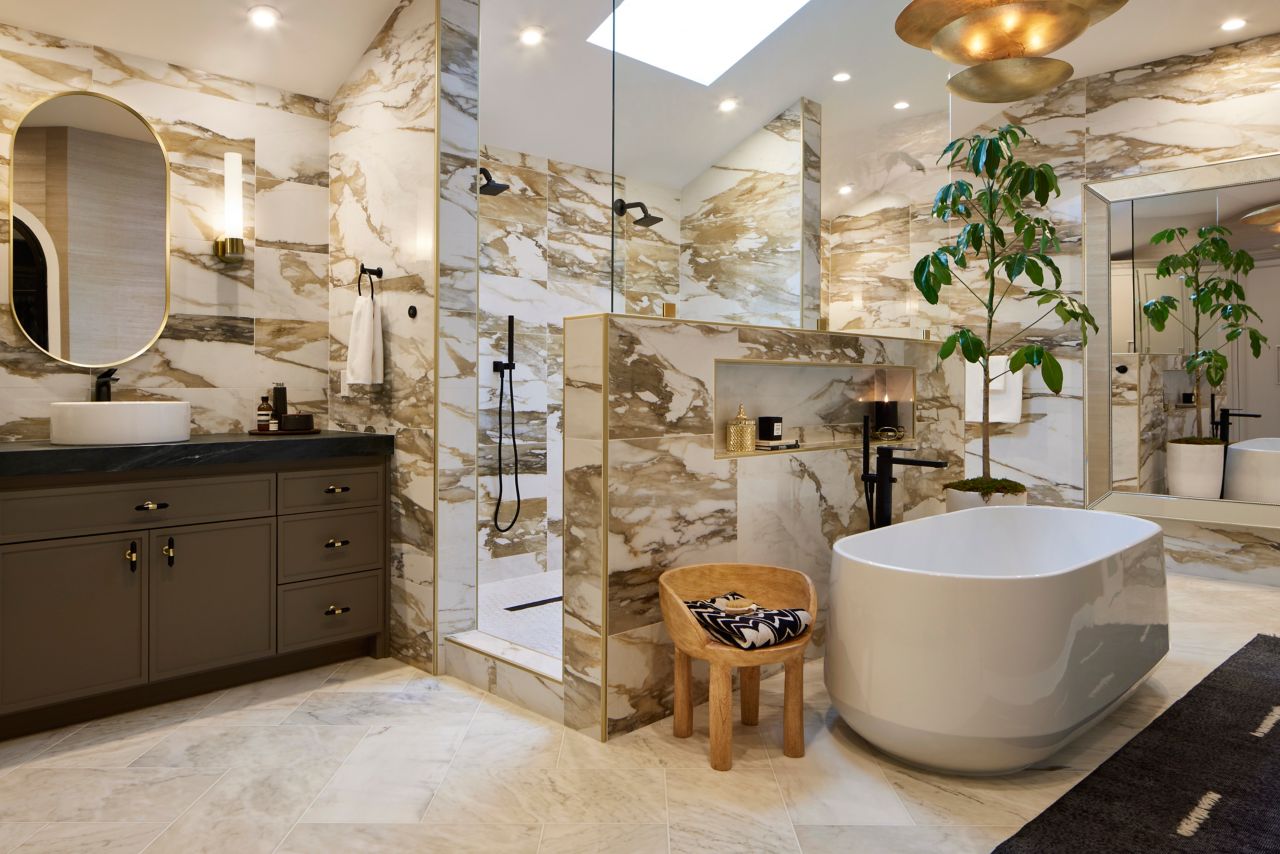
pixel 793 707
pixel 721 717
pixel 749 688
pixel 684 697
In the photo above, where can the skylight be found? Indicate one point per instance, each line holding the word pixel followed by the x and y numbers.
pixel 695 39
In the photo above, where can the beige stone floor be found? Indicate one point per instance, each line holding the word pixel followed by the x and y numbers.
pixel 373 756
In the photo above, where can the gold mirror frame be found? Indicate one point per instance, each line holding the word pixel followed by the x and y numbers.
pixel 168 225
pixel 1098 199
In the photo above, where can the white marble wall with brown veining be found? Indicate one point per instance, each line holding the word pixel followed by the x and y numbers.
pixel 383 177
pixel 1215 105
pixel 234 328
pixel 649 492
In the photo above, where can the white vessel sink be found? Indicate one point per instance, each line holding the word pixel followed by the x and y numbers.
pixel 120 422
pixel 1253 471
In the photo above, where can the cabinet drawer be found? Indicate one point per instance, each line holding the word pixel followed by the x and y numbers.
pixel 317 545
pixel 314 613
pixel 73 511
pixel 304 491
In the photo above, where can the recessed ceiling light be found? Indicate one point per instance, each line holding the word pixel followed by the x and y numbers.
pixel 1233 24
pixel 531 36
pixel 901 105
pixel 728 105
pixel 264 17
pixel 845 190
pixel 842 77
pixel 698 41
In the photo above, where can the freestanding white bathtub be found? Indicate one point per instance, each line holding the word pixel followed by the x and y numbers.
pixel 982 641
pixel 1253 471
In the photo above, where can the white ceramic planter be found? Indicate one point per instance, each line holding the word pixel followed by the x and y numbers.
pixel 957 500
pixel 1194 471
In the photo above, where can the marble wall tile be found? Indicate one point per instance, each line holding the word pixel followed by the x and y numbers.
pixel 1223 551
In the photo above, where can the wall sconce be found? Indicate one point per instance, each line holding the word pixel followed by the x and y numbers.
pixel 230 247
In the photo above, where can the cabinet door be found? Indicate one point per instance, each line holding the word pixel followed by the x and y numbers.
pixel 72 618
pixel 212 596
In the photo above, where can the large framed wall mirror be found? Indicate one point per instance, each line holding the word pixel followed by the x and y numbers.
pixel 1153 430
pixel 89 219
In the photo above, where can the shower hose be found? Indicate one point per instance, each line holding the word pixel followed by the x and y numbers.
pixel 507 379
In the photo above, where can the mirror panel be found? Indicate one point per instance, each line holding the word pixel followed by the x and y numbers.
pixel 89 213
pixel 1152 398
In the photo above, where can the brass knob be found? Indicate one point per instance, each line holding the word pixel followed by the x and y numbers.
pixel 337 544
pixel 148 506
pixel 335 611
pixel 131 555
pixel 336 490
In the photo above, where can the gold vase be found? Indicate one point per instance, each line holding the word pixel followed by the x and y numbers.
pixel 741 438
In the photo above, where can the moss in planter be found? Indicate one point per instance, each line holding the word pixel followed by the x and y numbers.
pixel 1196 440
pixel 988 486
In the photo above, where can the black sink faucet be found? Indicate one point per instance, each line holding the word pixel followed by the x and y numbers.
pixel 102 385
pixel 878 486
pixel 1222 425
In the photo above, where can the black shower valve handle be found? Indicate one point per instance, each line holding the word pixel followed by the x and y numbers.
pixel 501 367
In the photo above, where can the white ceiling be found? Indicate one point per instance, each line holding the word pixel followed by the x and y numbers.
pixel 1206 207
pixel 316 45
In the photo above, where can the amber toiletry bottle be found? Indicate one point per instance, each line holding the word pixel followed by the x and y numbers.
pixel 264 414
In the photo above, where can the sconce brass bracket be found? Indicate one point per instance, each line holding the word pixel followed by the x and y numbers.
pixel 230 249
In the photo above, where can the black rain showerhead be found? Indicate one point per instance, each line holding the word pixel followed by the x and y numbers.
pixel 490 187
pixel 645 220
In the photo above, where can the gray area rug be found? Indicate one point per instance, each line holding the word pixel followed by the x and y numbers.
pixel 1203 777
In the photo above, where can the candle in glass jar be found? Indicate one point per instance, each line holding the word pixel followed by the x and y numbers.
pixel 887 413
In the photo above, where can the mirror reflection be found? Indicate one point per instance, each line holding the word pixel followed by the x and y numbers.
pixel 1195 307
pixel 89 215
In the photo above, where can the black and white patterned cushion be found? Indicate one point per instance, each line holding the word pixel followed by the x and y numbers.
pixel 760 628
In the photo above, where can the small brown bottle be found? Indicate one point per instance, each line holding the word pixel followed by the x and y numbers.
pixel 264 414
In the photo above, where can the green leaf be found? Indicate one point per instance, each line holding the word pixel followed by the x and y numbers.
pixel 1051 370
pixel 949 346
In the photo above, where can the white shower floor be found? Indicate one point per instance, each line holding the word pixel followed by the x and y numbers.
pixel 538 628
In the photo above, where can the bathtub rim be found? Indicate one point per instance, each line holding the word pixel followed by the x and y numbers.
pixel 1152 530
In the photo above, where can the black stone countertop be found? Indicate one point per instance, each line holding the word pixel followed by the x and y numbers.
pixel 25 459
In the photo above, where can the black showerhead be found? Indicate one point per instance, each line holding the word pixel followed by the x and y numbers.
pixel 645 220
pixel 490 187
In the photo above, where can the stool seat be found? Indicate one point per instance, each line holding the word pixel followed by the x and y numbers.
pixel 767 586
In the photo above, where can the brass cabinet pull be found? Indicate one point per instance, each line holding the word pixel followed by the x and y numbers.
pixel 336 490
pixel 335 611
pixel 337 544
pixel 131 555
pixel 148 506
pixel 169 551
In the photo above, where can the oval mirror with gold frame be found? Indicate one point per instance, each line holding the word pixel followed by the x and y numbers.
pixel 89 228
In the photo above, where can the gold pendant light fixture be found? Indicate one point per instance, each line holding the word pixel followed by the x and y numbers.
pixel 1005 43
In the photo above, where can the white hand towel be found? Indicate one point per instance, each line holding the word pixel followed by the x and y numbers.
pixel 364 347
pixel 1006 393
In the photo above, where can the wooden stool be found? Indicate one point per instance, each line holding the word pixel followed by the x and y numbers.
pixel 767 586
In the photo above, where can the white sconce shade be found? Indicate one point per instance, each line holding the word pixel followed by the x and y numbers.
pixel 230 247
pixel 232 177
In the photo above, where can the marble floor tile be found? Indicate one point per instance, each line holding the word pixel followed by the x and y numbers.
pixel 559 796
pixel 101 794
pixel 506 739
pixel 263 703
pixel 14 833
pixel 656 747
pixel 251 746
pixel 248 811
pixel 97 837
pixel 934 799
pixel 402 838
pixel 382 708
pixel 901 840
pixel 371 674
pixel 15 751
pixel 389 777
pixel 611 838
pixel 719 811
pixel 103 747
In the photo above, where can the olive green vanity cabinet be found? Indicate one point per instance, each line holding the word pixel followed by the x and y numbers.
pixel 143 580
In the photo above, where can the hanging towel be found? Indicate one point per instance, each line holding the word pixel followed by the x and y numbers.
pixel 1006 393
pixel 364 348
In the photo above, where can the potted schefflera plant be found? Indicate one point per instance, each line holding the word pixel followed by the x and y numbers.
pixel 1210 270
pixel 1001 251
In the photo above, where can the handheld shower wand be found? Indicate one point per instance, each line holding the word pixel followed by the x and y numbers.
pixel 506 371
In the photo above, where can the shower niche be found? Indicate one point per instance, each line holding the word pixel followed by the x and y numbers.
pixel 822 404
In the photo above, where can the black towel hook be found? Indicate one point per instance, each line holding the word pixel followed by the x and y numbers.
pixel 372 273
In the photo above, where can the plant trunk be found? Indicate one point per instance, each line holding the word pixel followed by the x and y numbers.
pixel 986 417
pixel 1195 391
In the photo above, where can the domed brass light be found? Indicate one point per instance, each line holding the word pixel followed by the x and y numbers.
pixel 1005 41
pixel 1268 217
pixel 1006 80
pixel 1010 31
